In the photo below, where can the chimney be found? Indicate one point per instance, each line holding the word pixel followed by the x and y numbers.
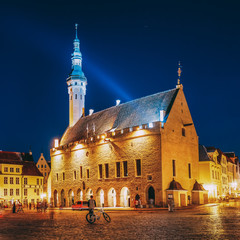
pixel 162 115
pixel 91 112
pixel 118 102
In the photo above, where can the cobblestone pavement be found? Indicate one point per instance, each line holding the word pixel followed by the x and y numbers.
pixel 212 221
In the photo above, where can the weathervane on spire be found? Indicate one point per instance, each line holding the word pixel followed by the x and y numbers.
pixel 76 26
pixel 179 72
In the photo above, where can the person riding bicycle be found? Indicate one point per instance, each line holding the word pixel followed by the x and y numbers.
pixel 91 205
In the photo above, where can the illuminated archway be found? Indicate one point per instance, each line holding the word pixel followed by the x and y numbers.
pixel 79 195
pixel 112 198
pixel 70 197
pixel 125 197
pixel 151 195
pixel 89 193
pixel 100 197
pixel 55 198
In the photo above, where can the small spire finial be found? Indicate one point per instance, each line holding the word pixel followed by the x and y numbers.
pixel 76 26
pixel 179 72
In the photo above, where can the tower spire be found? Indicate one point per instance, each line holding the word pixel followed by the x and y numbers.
pixel 179 71
pixel 76 82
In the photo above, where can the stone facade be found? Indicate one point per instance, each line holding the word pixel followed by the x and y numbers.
pixel 155 144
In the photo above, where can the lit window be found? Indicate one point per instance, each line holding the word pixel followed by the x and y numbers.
pixel 138 167
pixel 6 169
pixel 11 192
pixel 118 171
pixel 11 180
pixel 5 180
pixel 125 169
pixel 183 132
pixel 17 180
pixel 174 168
pixel 11 170
pixel 17 192
pixel 150 125
pixel 106 170
pixel 37 181
pixel 5 192
pixel 38 192
pixel 100 170
pixel 17 169
pixel 189 171
pixel 25 192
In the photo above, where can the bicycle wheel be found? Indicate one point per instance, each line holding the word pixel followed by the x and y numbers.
pixel 90 218
pixel 106 217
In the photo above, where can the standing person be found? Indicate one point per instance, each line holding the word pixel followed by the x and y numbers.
pixel 14 208
pixel 91 205
pixel 30 206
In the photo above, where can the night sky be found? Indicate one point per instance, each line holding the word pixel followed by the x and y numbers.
pixel 130 49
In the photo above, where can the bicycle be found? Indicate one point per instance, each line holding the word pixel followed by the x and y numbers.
pixel 92 217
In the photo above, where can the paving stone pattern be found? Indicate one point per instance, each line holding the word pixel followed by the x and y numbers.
pixel 213 221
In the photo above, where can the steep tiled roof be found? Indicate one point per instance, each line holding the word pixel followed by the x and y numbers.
pixel 29 168
pixel 174 185
pixel 134 113
pixel 198 187
pixel 10 157
pixel 203 156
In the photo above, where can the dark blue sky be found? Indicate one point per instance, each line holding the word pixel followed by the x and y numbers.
pixel 130 49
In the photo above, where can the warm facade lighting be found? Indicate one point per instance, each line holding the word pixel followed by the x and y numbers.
pixel 130 129
pixel 122 131
pixel 150 125
pixel 103 136
pixel 56 143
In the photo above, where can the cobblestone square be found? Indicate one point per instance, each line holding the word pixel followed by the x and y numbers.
pixel 212 221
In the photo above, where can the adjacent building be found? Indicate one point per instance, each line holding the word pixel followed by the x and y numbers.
pixel 20 180
pixel 218 172
pixel 45 168
pixel 145 148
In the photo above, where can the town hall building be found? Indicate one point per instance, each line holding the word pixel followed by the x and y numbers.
pixel 146 148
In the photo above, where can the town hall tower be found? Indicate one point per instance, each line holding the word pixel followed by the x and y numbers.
pixel 76 85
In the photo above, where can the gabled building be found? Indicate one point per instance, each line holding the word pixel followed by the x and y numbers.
pixel 44 167
pixel 126 151
pixel 233 173
pixel 20 180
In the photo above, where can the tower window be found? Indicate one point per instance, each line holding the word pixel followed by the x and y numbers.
pixel 125 169
pixel 81 97
pixel 71 98
pixel 118 174
pixel 189 171
pixel 138 167
pixel 81 84
pixel 174 168
pixel 183 132
pixel 75 83
pixel 75 96
pixel 106 170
